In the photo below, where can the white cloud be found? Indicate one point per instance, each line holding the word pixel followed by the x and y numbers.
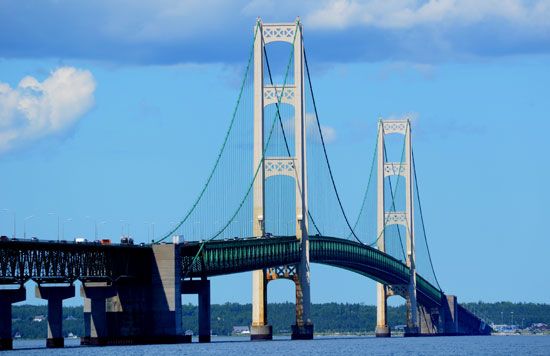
pixel 312 131
pixel 400 14
pixel 36 109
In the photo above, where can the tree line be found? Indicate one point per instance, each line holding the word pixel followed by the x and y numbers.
pixel 327 317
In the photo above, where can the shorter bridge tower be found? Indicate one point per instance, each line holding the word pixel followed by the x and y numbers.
pixel 404 218
pixel 291 92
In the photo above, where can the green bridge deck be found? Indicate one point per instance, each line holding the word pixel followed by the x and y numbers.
pixel 241 255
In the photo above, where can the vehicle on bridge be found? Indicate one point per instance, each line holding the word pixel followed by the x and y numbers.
pixel 126 240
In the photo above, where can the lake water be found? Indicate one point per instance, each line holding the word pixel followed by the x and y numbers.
pixel 463 345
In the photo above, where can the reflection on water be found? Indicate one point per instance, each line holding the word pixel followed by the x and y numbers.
pixel 464 345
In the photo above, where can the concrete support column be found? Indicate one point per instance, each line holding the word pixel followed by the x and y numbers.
pixel 202 288
pixel 204 313
pixel 450 314
pixel 55 296
pixel 95 313
pixel 382 328
pixel 428 319
pixel 166 294
pixel 259 330
pixel 303 329
pixel 7 297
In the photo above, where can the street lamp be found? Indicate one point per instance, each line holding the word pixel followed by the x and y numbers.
pixel 148 234
pixel 150 225
pixel 25 225
pixel 63 227
pixel 13 212
pixel 56 214
pixel 122 224
pixel 97 227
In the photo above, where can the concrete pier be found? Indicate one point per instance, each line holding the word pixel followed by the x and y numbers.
pixel 450 314
pixel 95 312
pixel 303 329
pixel 7 298
pixel 429 320
pixel 202 288
pixel 260 330
pixel 55 296
pixel 382 328
pixel 302 332
pixel 166 295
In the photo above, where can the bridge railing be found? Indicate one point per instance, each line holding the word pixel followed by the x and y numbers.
pixel 233 256
pixel 21 261
pixel 360 258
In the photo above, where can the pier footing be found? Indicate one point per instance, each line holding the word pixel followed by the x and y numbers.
pixel 304 332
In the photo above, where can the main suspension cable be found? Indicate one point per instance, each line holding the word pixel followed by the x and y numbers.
pixel 285 139
pixel 224 144
pixel 422 219
pixel 325 151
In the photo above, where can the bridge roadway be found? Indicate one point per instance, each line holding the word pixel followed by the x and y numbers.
pixel 132 292
pixel 54 262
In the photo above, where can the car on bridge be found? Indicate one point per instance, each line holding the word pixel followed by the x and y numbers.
pixel 126 240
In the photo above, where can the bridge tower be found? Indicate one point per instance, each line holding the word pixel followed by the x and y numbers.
pixel 405 218
pixel 290 93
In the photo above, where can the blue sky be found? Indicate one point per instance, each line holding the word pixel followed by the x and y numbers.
pixel 103 107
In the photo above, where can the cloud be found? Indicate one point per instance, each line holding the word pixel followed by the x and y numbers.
pixel 34 109
pixel 205 31
pixel 329 132
pixel 312 130
pixel 403 14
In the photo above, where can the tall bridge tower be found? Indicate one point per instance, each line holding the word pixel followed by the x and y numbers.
pixel 295 167
pixel 404 218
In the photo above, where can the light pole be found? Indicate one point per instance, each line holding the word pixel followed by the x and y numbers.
pixel 512 317
pixel 25 225
pixel 122 224
pixel 14 224
pixel 63 227
pixel 97 227
pixel 56 214
pixel 148 234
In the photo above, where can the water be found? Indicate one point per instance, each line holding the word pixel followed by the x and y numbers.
pixel 464 345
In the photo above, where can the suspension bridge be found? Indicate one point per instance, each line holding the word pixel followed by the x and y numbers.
pixel 272 207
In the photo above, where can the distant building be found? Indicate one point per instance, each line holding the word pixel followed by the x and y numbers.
pixel 504 328
pixel 70 317
pixel 241 330
pixel 39 318
pixel 539 326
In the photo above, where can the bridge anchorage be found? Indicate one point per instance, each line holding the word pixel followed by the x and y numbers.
pixel 132 294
